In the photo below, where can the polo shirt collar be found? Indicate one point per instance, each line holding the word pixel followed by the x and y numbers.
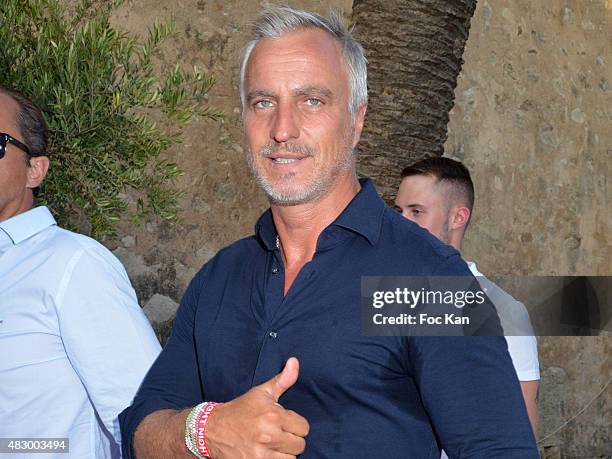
pixel 363 215
pixel 27 224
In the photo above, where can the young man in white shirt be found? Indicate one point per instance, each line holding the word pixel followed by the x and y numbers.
pixel 74 343
pixel 438 195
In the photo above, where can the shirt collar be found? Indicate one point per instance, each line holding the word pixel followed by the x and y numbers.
pixel 27 224
pixel 473 268
pixel 266 231
pixel 363 215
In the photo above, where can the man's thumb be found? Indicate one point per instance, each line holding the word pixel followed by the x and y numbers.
pixel 284 380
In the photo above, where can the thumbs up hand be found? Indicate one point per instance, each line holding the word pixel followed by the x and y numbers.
pixel 256 426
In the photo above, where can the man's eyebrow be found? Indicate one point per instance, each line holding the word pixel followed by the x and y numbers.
pixel 313 91
pixel 258 93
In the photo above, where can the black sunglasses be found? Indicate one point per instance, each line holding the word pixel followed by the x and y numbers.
pixel 7 138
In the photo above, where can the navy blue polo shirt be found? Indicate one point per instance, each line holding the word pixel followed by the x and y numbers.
pixel 364 397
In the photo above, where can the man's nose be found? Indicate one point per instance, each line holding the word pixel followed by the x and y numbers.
pixel 285 126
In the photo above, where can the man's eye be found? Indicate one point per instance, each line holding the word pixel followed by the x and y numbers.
pixel 263 104
pixel 313 102
pixel 416 212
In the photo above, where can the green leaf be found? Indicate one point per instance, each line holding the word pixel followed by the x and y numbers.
pixel 102 96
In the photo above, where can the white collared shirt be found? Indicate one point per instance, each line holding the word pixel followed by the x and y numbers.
pixel 74 343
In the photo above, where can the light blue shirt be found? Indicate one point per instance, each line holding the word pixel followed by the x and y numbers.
pixel 74 343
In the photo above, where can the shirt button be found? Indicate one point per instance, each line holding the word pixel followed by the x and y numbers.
pixel 274 270
pixel 273 335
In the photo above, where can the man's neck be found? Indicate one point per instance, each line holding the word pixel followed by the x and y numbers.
pixel 16 208
pixel 455 240
pixel 299 226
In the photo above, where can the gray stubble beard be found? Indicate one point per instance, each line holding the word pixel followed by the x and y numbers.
pixel 317 189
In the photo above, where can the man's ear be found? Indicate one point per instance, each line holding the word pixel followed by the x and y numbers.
pixel 359 119
pixel 461 216
pixel 37 170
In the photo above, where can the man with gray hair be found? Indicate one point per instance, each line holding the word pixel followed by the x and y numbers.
pixel 267 358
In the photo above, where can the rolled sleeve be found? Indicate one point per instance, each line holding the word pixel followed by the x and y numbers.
pixel 173 381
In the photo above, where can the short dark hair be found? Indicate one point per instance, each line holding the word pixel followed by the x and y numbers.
pixel 448 171
pixel 30 122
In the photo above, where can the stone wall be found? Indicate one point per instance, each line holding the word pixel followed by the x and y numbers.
pixel 531 120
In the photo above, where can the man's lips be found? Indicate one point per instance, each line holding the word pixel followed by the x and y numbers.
pixel 286 153
pixel 285 159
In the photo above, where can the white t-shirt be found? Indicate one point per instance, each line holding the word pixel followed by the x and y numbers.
pixel 522 349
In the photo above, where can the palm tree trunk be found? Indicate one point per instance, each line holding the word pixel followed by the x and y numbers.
pixel 414 50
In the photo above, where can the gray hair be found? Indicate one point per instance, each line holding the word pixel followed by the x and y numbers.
pixel 275 21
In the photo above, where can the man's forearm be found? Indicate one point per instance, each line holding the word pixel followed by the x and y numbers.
pixel 161 435
pixel 530 394
pixel 252 425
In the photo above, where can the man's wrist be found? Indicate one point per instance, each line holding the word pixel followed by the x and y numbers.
pixel 195 429
pixel 190 429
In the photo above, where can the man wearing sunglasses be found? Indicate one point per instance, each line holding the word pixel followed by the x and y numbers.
pixel 74 343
